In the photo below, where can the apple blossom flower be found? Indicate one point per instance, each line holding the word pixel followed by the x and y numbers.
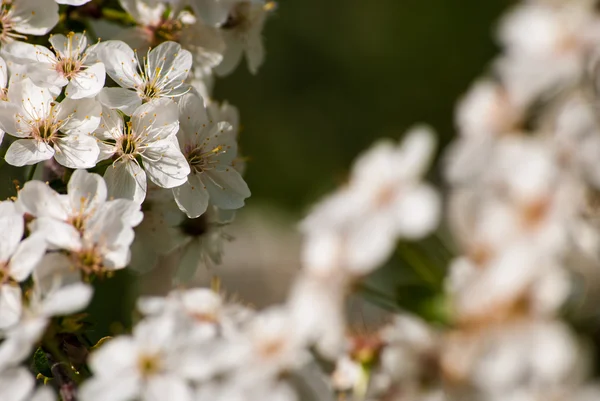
pixel 357 227
pixel 96 232
pixel 46 128
pixel 162 74
pixel 26 17
pixel 153 363
pixel 67 65
pixel 149 136
pixel 209 148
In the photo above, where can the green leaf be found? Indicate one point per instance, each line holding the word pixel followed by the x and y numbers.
pixel 41 363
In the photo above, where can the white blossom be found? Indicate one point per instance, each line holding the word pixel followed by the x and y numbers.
pixel 161 74
pixel 67 64
pixel 150 136
pixel 46 128
pixel 210 148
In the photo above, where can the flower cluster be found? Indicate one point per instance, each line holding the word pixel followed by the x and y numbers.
pixel 137 162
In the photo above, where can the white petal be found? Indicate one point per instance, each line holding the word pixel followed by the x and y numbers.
pixel 120 98
pixel 227 189
pixel 87 191
pixel 35 17
pixel 77 151
pixel 156 120
pixel 34 101
pixel 165 164
pixel 122 388
pixel 10 305
pixel 418 212
pixel 11 232
pixel 8 119
pixel 192 197
pixel 255 52
pixel 16 384
pixel 3 73
pixel 26 53
pixel 127 210
pixel 27 256
pixel 126 179
pixel 87 83
pixel 69 47
pixel 120 62
pixel 38 199
pixel 43 394
pixel 416 151
pixel 24 152
pixel 69 299
pixel 45 75
pixel 231 58
pixel 57 233
pixel 169 60
pixel 192 114
pixel 190 260
pixel 114 357
pixel 165 387
pixel 83 116
pixel 111 124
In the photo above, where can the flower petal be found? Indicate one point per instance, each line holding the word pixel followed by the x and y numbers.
pixel 82 116
pixel 120 98
pixel 165 164
pixel 126 179
pixel 34 17
pixel 87 83
pixel 39 200
pixel 87 192
pixel 156 120
pixel 24 152
pixel 27 256
pixel 77 151
pixel 192 197
pixel 227 189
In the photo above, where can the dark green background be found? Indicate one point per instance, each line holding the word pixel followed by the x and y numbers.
pixel 341 73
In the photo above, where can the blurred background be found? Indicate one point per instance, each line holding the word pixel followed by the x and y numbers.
pixel 338 75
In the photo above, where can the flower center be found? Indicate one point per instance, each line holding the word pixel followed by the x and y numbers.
pixel 149 365
pixel 168 29
pixel 201 160
pixel 128 143
pixel 151 91
pixel 195 227
pixel 7 33
pixel 89 261
pixel 238 17
pixel 68 67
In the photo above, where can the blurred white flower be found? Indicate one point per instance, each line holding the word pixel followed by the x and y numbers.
pixel 385 199
pixel 151 364
pixel 541 34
